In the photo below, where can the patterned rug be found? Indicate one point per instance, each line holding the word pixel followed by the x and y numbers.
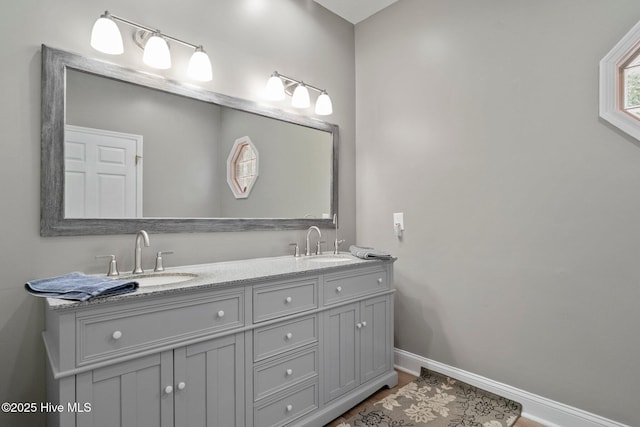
pixel 435 400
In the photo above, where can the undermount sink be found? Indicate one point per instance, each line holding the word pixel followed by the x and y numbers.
pixel 329 258
pixel 158 279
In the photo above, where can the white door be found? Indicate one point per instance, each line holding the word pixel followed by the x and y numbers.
pixel 103 173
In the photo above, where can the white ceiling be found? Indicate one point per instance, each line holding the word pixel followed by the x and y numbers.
pixel 355 11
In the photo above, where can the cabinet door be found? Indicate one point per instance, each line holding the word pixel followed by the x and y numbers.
pixel 209 383
pixel 128 394
pixel 341 351
pixel 375 346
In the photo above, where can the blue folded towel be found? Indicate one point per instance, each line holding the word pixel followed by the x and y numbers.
pixel 368 253
pixel 79 286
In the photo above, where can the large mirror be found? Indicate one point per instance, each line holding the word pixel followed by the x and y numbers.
pixel 124 150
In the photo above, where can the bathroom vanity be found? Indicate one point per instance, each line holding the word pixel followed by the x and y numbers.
pixel 262 342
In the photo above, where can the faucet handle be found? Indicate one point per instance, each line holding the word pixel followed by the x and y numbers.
pixel 319 248
pixel 296 250
pixel 336 245
pixel 113 265
pixel 159 266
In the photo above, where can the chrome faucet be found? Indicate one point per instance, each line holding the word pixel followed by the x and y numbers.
pixel 308 250
pixel 137 257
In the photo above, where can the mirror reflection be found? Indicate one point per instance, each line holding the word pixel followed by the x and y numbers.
pixel 132 151
pixel 124 150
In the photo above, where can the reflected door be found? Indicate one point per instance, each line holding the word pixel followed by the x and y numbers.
pixel 103 173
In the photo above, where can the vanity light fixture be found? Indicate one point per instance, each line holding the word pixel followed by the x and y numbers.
pixel 106 38
pixel 278 85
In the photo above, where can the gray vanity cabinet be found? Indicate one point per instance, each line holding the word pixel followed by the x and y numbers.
pixel 295 349
pixel 196 385
pixel 356 350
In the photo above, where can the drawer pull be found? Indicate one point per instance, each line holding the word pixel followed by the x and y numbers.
pixel 288 300
pixel 221 313
pixel 364 324
pixel 168 389
pixel 289 408
pixel 359 325
pixel 288 336
pixel 380 280
pixel 181 385
pixel 116 335
pixel 289 372
pixel 339 289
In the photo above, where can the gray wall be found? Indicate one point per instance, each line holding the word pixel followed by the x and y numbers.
pixel 479 121
pixel 247 40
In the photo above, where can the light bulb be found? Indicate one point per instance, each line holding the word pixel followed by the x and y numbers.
pixel 323 105
pixel 300 97
pixel 105 36
pixel 274 90
pixel 156 52
pixel 200 66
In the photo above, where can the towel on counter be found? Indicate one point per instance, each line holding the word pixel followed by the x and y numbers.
pixel 368 253
pixel 79 286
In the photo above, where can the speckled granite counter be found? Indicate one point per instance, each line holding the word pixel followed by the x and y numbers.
pixel 228 273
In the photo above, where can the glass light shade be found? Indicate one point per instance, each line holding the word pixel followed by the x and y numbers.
pixel 300 97
pixel 106 37
pixel 323 105
pixel 200 66
pixel 275 89
pixel 156 53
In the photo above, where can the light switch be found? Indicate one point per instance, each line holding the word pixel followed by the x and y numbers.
pixel 398 223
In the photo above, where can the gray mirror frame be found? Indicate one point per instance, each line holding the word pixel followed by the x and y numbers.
pixel 52 220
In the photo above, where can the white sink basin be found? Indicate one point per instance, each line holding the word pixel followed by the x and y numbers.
pixel 329 258
pixel 158 279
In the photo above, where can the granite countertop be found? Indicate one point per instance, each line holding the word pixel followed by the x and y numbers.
pixel 226 273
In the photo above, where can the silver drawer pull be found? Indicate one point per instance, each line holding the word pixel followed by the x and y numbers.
pixel 221 313
pixel 288 336
pixel 168 389
pixel 181 385
pixel 289 372
pixel 288 300
pixel 339 289
pixel 289 408
pixel 116 335
pixel 380 280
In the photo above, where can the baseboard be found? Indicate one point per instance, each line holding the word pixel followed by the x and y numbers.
pixel 536 408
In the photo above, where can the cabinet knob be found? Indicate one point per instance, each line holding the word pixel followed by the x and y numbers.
pixel 181 385
pixel 116 335
pixel 380 280
pixel 168 389
pixel 221 313
pixel 339 289
pixel 359 325
pixel 289 408
pixel 364 324
pixel 289 372
pixel 288 300
pixel 288 336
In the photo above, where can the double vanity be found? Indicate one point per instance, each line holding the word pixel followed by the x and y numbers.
pixel 261 342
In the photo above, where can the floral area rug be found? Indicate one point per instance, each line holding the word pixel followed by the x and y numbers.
pixel 435 400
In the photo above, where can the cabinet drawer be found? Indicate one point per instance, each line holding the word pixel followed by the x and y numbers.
pixel 288 408
pixel 340 287
pixel 270 302
pixel 113 333
pixel 285 372
pixel 272 340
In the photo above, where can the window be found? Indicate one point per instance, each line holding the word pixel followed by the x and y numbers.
pixel 620 84
pixel 242 167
